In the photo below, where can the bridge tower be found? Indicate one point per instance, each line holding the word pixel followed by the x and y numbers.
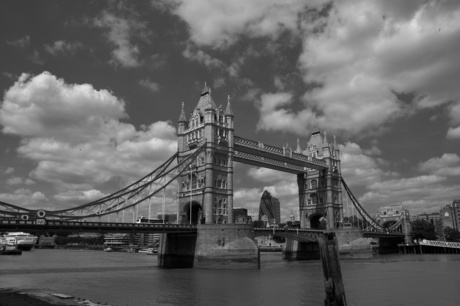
pixel 320 191
pixel 205 190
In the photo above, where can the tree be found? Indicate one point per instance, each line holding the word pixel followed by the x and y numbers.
pixel 451 234
pixel 422 229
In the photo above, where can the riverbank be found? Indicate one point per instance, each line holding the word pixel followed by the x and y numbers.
pixel 12 297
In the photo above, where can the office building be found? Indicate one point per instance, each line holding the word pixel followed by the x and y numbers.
pixel 269 209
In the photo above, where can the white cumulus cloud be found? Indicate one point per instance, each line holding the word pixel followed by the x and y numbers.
pixel 74 135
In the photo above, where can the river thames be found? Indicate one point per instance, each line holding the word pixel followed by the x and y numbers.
pixel 134 279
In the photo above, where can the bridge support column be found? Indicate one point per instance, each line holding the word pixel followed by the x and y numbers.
pixel 407 230
pixel 226 246
pixel 297 250
pixel 176 250
pixel 131 239
pixel 141 240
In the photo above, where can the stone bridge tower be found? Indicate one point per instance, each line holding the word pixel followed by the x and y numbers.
pixel 205 190
pixel 320 191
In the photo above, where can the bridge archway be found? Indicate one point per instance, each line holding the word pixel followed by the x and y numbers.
pixel 196 213
pixel 318 221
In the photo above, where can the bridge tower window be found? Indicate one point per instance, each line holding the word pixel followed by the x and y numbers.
pixel 314 184
pixel 193 180
pixel 314 198
pixel 224 207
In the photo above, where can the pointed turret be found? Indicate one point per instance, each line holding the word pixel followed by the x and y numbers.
pixel 316 139
pixel 206 101
pixel 205 89
pixel 325 142
pixel 228 110
pixel 298 149
pixel 182 117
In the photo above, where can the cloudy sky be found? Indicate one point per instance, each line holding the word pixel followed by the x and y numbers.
pixel 92 90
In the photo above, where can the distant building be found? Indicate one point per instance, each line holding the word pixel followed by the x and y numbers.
pixel 239 212
pixel 456 214
pixel 269 209
pixel 240 215
pixel 431 217
pixel 447 216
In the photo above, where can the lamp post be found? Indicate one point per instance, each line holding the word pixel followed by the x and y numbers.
pixel 164 199
pixel 190 202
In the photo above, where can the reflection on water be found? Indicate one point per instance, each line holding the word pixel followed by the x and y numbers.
pixel 134 279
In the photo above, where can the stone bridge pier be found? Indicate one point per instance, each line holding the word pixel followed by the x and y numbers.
pixel 214 246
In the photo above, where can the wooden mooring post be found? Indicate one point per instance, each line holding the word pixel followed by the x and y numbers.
pixel 333 284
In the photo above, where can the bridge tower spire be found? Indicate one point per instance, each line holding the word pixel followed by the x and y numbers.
pixel 205 192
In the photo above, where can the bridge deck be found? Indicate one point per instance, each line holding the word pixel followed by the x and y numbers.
pixel 8 225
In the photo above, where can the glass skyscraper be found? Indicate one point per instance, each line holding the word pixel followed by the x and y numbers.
pixel 269 209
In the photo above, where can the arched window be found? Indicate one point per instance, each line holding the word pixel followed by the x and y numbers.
pixel 224 207
pixel 314 184
pixel 194 181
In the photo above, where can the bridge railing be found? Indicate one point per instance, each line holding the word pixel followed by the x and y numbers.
pixel 97 224
pixel 443 244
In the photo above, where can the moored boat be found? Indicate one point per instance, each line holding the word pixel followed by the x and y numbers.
pixel 24 241
pixel 8 246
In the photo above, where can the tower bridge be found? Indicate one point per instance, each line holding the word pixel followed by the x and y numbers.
pixel 203 172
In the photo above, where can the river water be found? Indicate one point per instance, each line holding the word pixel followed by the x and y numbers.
pixel 134 279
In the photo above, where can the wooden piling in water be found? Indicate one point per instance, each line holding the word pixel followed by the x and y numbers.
pixel 333 284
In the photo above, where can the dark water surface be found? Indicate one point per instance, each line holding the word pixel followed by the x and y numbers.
pixel 134 279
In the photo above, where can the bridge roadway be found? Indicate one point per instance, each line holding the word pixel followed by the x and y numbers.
pixel 300 234
pixel 56 225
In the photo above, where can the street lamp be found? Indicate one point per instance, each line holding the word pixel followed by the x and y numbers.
pixel 191 186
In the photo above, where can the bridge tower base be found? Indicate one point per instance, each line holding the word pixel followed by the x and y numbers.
pixel 176 250
pixel 226 246
pixel 215 246
pixel 299 250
